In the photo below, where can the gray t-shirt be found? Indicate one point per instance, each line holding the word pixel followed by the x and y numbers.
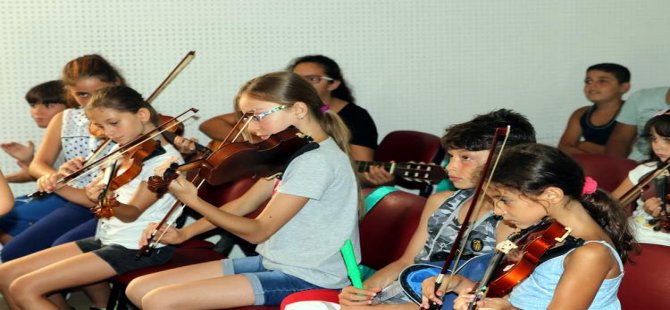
pixel 308 246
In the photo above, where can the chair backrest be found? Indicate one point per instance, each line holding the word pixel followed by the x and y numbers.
pixel 407 145
pixel 410 146
pixel 608 171
pixel 386 230
pixel 646 283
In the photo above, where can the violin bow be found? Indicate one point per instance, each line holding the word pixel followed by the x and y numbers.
pixel 180 66
pixel 475 204
pixel 633 193
pixel 153 240
pixel 120 151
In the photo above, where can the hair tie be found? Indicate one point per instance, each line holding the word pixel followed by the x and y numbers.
pixel 590 186
pixel 325 108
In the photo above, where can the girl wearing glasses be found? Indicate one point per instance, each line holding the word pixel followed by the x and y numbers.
pixel 325 75
pixel 318 190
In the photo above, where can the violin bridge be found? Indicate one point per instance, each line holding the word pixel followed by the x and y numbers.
pixel 568 230
pixel 506 246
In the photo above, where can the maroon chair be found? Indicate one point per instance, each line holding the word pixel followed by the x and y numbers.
pixel 608 171
pixel 388 227
pixel 385 232
pixel 410 146
pixel 646 283
pixel 191 252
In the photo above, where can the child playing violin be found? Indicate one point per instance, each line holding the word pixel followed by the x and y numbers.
pixel 67 135
pixel 467 145
pixel 32 282
pixel 535 181
pixel 650 209
pixel 311 211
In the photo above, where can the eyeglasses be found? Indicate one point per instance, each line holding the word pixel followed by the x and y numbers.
pixel 260 116
pixel 316 79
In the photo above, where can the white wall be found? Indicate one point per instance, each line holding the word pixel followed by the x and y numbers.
pixel 416 64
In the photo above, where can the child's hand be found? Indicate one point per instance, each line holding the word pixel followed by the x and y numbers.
pixel 377 176
pixel 168 234
pixel 47 183
pixel 428 293
pixel 94 188
pixel 71 166
pixel 351 296
pixel 23 153
pixel 653 206
pixel 466 297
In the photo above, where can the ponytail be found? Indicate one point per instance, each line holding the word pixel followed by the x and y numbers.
pixel 609 214
pixel 531 168
pixel 333 125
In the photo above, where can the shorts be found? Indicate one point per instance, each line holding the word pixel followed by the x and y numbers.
pixel 270 286
pixel 123 259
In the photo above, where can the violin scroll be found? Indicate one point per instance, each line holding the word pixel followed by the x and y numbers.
pixel 158 184
pixel 105 208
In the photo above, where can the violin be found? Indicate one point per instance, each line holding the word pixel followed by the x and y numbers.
pixel 240 159
pixel 138 155
pixel 118 152
pixel 516 258
pixel 634 193
pixel 652 184
pixel 659 187
pixel 231 161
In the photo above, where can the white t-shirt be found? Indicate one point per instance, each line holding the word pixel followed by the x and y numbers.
pixel 115 231
pixel 643 232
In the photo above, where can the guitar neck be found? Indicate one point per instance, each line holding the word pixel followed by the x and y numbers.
pixel 415 172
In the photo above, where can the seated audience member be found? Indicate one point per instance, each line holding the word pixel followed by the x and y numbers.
pixel 45 101
pixel 639 108
pixel 650 217
pixel 589 127
pixel 467 146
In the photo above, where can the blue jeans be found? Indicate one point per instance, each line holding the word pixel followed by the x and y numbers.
pixel 270 287
pixel 44 232
pixel 27 211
